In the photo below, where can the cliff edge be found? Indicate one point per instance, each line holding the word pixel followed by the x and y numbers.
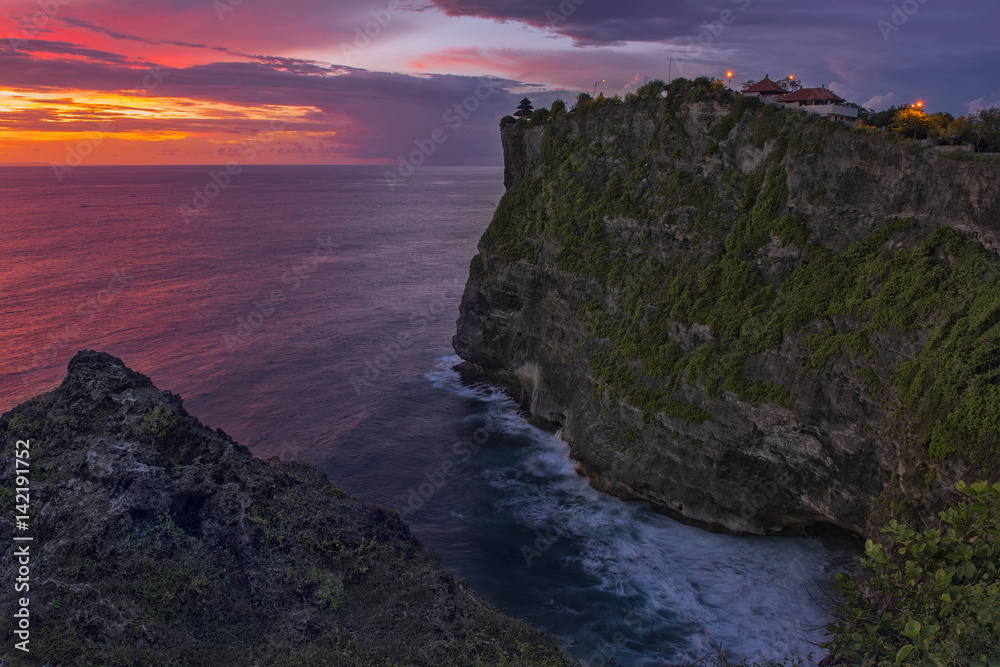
pixel 756 320
pixel 157 541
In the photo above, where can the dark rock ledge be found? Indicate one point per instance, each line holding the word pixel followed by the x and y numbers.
pixel 158 541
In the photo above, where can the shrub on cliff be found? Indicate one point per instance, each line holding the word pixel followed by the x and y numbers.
pixel 911 124
pixel 929 599
pixel 986 127
pixel 651 89
pixel 540 116
pixel 583 102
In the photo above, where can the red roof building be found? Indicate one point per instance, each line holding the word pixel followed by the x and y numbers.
pixel 821 102
pixel 765 88
pixel 804 96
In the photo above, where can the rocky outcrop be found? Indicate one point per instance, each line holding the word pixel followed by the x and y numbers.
pixel 653 285
pixel 158 541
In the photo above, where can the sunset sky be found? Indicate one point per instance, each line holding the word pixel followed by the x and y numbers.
pixel 193 81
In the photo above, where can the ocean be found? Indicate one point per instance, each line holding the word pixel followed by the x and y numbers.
pixel 308 312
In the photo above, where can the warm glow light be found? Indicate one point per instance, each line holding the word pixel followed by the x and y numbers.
pixel 123 128
pixel 729 74
pixel 87 106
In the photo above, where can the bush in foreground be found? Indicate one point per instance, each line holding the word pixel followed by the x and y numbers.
pixel 930 598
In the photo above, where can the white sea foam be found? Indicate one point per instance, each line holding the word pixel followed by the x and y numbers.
pixel 666 582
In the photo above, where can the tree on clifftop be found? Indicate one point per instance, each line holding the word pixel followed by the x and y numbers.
pixel 790 84
pixel 986 125
pixel 883 118
pixel 540 115
pixel 911 123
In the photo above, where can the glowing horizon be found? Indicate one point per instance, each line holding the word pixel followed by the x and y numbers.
pixel 359 84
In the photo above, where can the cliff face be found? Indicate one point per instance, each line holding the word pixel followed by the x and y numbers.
pixel 158 541
pixel 754 320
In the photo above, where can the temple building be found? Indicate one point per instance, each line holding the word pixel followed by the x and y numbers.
pixel 766 90
pixel 821 102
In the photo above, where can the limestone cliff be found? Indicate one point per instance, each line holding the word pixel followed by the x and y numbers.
pixel 156 541
pixel 756 320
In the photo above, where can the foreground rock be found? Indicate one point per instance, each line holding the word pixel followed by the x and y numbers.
pixel 160 542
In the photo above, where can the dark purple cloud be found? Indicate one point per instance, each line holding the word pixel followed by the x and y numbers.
pixel 116 34
pixel 869 50
pixel 945 52
pixel 63 48
pixel 589 22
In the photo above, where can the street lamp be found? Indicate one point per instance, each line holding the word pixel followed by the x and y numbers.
pixel 595 87
pixel 729 75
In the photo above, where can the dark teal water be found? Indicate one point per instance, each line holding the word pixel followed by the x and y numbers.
pixel 308 311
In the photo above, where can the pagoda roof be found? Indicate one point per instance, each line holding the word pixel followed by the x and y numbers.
pixel 765 85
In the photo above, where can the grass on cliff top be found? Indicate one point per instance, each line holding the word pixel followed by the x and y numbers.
pixel 938 285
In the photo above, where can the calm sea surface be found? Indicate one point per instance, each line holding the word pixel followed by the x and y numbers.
pixel 308 312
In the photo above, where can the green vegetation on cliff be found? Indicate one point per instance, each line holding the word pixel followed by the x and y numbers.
pixel 670 247
pixel 698 255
